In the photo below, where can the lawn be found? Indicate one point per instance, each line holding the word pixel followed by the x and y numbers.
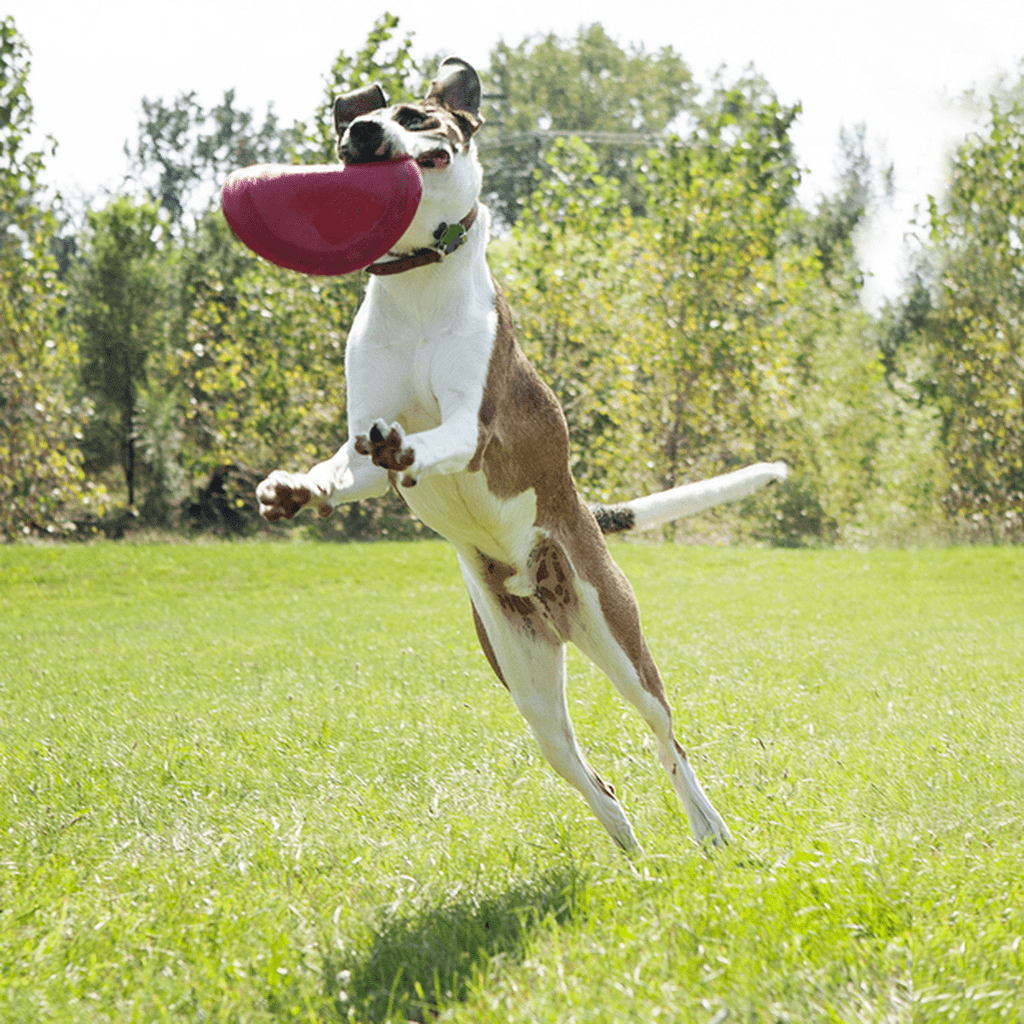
pixel 261 782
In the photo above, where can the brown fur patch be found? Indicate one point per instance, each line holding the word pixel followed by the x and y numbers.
pixel 520 611
pixel 554 587
pixel 485 644
pixel 523 443
pixel 457 127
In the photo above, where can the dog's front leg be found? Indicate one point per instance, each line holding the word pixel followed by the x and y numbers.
pixel 345 477
pixel 448 448
pixel 456 383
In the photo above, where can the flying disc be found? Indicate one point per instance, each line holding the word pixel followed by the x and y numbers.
pixel 325 220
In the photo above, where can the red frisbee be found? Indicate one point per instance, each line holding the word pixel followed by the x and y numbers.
pixel 323 220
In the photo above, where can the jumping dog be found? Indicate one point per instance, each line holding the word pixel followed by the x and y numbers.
pixel 444 406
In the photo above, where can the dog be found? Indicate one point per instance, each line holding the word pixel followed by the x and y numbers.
pixel 444 407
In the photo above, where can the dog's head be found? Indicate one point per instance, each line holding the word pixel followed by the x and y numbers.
pixel 432 132
pixel 437 133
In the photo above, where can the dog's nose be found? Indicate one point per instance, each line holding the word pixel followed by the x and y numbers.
pixel 363 142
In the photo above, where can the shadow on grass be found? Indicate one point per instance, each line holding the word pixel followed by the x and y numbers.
pixel 420 963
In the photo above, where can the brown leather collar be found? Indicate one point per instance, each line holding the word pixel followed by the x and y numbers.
pixel 449 237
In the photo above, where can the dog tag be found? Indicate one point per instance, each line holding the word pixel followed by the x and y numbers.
pixel 324 220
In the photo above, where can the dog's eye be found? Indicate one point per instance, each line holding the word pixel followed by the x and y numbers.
pixel 415 120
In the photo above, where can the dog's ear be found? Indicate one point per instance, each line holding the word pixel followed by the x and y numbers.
pixel 457 87
pixel 351 105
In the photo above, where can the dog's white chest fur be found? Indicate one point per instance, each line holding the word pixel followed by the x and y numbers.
pixel 427 372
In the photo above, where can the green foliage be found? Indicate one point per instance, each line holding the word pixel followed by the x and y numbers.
pixel 975 335
pixel 263 379
pixel 248 376
pixel 575 310
pixel 669 338
pixel 41 474
pixel 210 366
pixel 184 153
pixel 838 216
pixel 866 453
pixel 721 284
pixel 616 99
pixel 41 416
pixel 20 169
pixel 690 315
pixel 120 286
pixel 723 326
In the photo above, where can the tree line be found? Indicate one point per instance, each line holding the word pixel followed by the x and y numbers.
pixel 689 312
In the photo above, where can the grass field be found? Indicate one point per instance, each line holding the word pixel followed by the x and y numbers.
pixel 277 782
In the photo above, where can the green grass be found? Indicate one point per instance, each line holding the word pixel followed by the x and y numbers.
pixel 277 782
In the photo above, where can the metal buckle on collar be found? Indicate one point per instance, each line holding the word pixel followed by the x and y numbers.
pixel 448 237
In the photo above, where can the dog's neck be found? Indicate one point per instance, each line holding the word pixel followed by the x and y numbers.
pixel 448 239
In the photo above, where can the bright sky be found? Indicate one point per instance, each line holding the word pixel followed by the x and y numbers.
pixel 890 64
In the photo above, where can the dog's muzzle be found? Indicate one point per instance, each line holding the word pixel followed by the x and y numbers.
pixel 365 142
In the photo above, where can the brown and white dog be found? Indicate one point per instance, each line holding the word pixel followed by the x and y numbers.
pixel 443 406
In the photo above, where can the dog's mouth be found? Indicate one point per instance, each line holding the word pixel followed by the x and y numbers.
pixel 435 158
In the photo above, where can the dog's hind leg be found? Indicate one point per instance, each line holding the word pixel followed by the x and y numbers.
pixel 529 658
pixel 607 629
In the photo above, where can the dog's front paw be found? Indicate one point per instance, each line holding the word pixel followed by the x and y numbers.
pixel 282 494
pixel 386 447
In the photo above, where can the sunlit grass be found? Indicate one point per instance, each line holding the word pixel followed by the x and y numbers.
pixel 259 782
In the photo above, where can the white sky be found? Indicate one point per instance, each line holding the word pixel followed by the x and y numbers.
pixel 890 64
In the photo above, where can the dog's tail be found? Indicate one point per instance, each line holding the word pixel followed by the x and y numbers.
pixel 663 507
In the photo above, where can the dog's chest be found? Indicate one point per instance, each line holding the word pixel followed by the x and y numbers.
pixel 421 409
pixel 412 353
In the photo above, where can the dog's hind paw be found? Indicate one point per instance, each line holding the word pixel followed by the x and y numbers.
pixel 386 447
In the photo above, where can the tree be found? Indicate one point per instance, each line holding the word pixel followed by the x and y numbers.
pixel 689 314
pixel 576 303
pixel 722 280
pixel 975 333
pixel 202 356
pixel 184 153
pixel 617 100
pixel 40 416
pixel 833 226
pixel 262 379
pixel 706 332
pixel 669 336
pixel 119 290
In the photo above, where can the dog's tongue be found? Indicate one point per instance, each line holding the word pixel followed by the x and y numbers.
pixel 324 220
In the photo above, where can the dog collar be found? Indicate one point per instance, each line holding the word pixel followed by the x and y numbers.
pixel 447 238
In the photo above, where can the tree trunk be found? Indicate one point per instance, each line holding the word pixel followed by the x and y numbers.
pixel 128 448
